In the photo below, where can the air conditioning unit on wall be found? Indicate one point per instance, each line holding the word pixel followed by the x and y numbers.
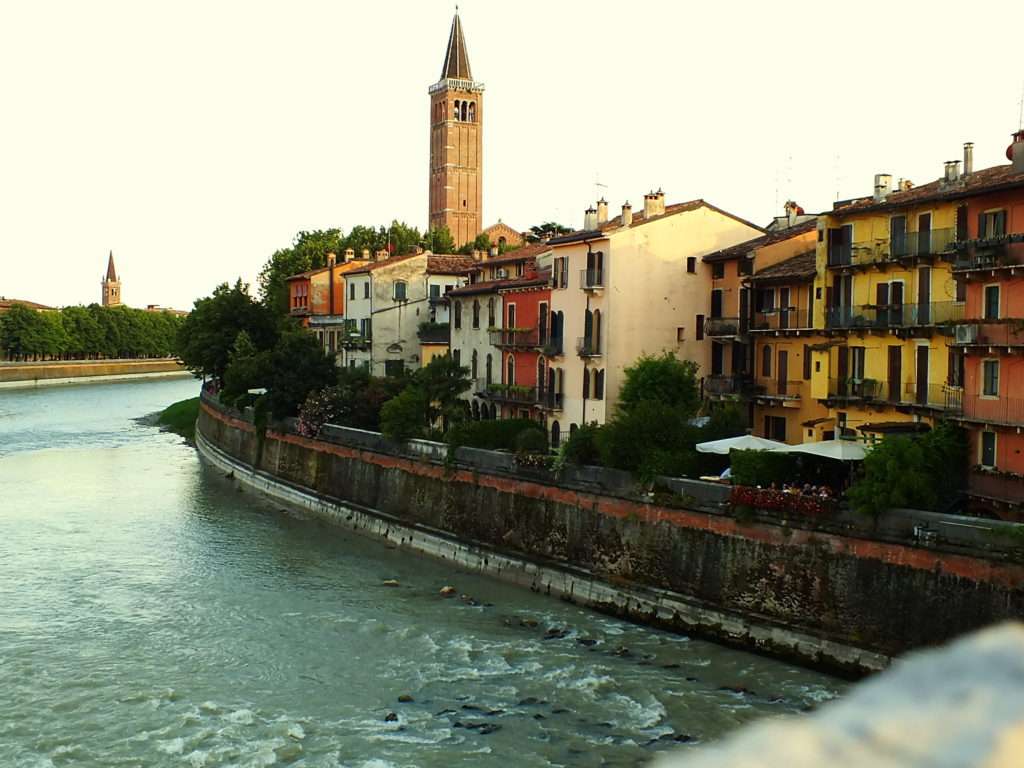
pixel 966 334
pixel 502 274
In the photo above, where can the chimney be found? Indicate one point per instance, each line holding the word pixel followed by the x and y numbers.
pixel 952 171
pixel 968 158
pixel 883 186
pixel 349 254
pixel 906 185
pixel 590 219
pixel 332 259
pixel 366 254
pixel 627 214
pixel 1015 152
pixel 381 255
pixel 493 251
pixel 602 211
pixel 654 204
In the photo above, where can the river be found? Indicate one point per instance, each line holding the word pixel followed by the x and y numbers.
pixel 151 614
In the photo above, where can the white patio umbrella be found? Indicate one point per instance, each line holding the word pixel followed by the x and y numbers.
pixel 841 450
pixel 742 442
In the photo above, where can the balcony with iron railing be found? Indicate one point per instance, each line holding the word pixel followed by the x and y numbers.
pixel 774 389
pixel 549 400
pixel 881 250
pixel 1006 411
pixel 510 393
pixel 727 384
pixel 550 346
pixel 515 338
pixel 977 333
pixel 887 316
pixel 990 253
pixel 587 346
pixel 592 279
pixel 850 388
pixel 790 318
pixel 723 326
pixel 996 486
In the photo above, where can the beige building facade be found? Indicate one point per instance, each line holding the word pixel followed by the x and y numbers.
pixel 631 286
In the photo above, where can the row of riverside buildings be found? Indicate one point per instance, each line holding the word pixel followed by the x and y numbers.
pixel 878 317
pixel 881 316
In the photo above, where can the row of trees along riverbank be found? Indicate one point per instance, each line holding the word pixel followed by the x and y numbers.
pixel 87 333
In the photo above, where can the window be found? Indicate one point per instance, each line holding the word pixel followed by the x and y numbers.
pixel 898 236
pixel 955 367
pixel 586 383
pixel 807 362
pixel 476 313
pixel 857 363
pixel 691 264
pixel 366 328
pixel 400 287
pixel 990 378
pixel 699 328
pixel 991 302
pixel 366 289
pixel 775 428
pixel 352 291
pixel 718 270
pixel 457 356
pixel 764 299
pixel 988 449
pixel 394 367
pixel 744 266
pixel 961 289
pixel 717 358
pixel 556 434
pixel 435 291
pixel 595 335
pixel 490 312
pixel 717 300
pixel 680 334
pixel 766 360
pixel 992 224
pixel 488 374
pixel 510 370
pixel 458 314
pixel 599 385
pixel 472 365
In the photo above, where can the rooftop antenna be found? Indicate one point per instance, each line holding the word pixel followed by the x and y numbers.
pixel 598 185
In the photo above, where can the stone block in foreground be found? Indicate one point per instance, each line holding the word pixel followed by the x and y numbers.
pixel 957 706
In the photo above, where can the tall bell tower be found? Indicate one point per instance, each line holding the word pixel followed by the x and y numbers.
pixel 456 144
pixel 111 285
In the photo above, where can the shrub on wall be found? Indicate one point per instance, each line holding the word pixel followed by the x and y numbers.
pixel 492 435
pixel 763 468
pixel 582 447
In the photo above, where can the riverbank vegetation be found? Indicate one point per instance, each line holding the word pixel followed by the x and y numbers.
pixel 87 333
pixel 180 417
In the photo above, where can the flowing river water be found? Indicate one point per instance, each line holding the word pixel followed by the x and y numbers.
pixel 151 614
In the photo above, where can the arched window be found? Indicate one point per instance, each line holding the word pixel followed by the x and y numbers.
pixel 599 384
pixel 487 371
pixel 572 429
pixel 457 109
pixel 502 242
pixel 494 411
pixel 490 312
pixel 541 377
pixel 472 111
pixel 458 314
pixel 472 366
pixel 476 410
pixel 766 360
pixel 556 434
pixel 596 334
pixel 476 313
pixel 586 383
pixel 464 115
pixel 510 370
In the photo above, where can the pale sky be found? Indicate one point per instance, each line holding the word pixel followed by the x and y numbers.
pixel 195 138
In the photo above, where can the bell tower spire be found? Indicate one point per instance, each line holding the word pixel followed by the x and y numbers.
pixel 111 296
pixel 456 143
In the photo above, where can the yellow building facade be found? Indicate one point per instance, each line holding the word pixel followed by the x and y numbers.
pixel 886 302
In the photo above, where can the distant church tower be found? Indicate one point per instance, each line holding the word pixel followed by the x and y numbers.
pixel 111 285
pixel 456 144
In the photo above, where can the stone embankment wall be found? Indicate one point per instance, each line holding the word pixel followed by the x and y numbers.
pixel 63 372
pixel 843 594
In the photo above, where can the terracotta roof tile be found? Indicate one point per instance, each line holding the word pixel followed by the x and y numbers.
pixel 741 249
pixel 800 267
pixel 519 254
pixel 976 183
pixel 449 264
pixel 6 304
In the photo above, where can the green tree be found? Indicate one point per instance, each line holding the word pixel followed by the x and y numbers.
pixel 664 379
pixel 368 238
pixel 545 231
pixel 401 417
pixel 248 368
pixel 482 242
pixel 442 381
pixel 651 438
pixel 207 336
pixel 439 240
pixel 22 332
pixel 297 367
pixel 403 238
pixel 924 472
pixel 308 251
